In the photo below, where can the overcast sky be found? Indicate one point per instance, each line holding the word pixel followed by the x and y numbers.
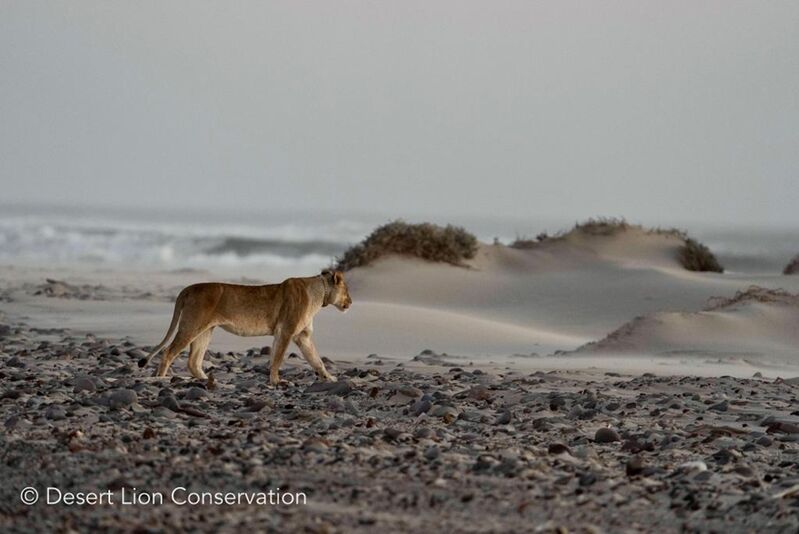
pixel 653 110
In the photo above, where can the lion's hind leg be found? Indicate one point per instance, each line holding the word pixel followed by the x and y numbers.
pixel 279 346
pixel 197 353
pixel 182 340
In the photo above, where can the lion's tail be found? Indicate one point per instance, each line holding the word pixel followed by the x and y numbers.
pixel 171 330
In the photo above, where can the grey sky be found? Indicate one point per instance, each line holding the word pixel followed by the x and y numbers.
pixel 653 110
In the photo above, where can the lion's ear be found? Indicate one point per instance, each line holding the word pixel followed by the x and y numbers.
pixel 338 277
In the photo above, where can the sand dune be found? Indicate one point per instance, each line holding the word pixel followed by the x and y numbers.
pixel 756 324
pixel 566 290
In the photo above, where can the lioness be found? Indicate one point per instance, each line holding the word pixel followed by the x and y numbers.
pixel 284 310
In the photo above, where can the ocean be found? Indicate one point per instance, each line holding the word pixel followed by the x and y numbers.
pixel 270 245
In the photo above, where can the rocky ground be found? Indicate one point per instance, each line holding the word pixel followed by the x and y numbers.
pixel 414 447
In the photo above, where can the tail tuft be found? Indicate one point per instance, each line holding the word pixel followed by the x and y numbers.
pixel 143 362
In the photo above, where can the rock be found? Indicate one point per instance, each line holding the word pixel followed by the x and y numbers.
pixel 432 452
pixel 423 433
pixel 635 466
pixel 55 412
pixel 508 466
pixel 195 393
pixel 445 412
pixel 558 448
pixel 692 467
pixel 479 393
pixel 84 383
pixel 122 398
pixel 266 351
pixel 782 427
pixel 723 406
pixel 315 445
pixel 137 354
pixel 256 405
pixel 635 446
pixel 745 471
pixel 167 399
pixel 16 362
pixel 484 462
pixel 504 418
pixel 409 391
pixel 606 435
pixel 725 456
pixel 392 434
pixel 331 388
pixel 764 441
pixel 421 406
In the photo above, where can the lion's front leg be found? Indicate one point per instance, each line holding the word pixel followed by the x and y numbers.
pixel 308 349
pixel 279 346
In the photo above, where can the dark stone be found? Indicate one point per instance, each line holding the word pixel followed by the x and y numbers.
pixel 55 412
pixel 122 398
pixel 558 448
pixel 421 406
pixel 635 466
pixel 16 362
pixel 606 435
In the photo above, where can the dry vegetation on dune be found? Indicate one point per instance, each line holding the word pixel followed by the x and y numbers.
pixel 693 256
pixel 446 244
pixel 752 294
pixel 792 267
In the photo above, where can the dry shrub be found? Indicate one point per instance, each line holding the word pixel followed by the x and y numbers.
pixel 446 244
pixel 752 294
pixel 602 226
pixel 695 256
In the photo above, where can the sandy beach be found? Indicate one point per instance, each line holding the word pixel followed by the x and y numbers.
pixel 589 383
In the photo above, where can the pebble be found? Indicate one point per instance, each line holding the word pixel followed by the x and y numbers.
pixel 423 433
pixel 84 383
pixel 764 441
pixel 635 466
pixel 421 406
pixel 479 393
pixel 692 467
pixel 392 434
pixel 331 388
pixel 504 418
pixel 122 398
pixel 16 362
pixel 409 391
pixel 55 412
pixel 558 448
pixel 606 435
pixel 722 406
pixel 432 452
pixel 195 393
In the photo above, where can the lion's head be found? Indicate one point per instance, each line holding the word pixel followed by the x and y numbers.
pixel 339 292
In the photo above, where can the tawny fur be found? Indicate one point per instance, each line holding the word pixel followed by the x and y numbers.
pixel 284 310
